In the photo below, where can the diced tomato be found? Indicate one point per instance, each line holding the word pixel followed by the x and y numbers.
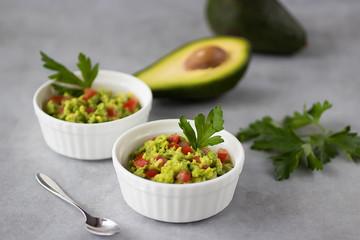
pixel 197 159
pixel 187 150
pixel 111 112
pixel 57 99
pixel 131 104
pixel 164 160
pixel 140 156
pixel 89 110
pixel 205 166
pixel 223 154
pixel 183 144
pixel 183 176
pixel 175 145
pixel 174 138
pixel 160 157
pixel 141 162
pixel 151 173
pixel 89 92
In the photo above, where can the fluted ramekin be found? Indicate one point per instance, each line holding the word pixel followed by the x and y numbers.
pixel 174 202
pixel 92 141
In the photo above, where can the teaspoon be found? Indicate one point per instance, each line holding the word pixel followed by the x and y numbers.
pixel 98 226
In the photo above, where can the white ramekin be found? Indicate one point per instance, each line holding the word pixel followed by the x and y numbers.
pixel 92 141
pixel 174 202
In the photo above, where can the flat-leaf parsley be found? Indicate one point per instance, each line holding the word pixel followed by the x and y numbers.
pixel 205 128
pixel 291 147
pixel 67 81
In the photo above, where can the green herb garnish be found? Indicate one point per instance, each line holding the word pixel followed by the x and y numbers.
pixel 205 129
pixel 314 149
pixel 67 81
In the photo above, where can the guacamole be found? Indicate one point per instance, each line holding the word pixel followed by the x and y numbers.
pixel 171 159
pixel 92 107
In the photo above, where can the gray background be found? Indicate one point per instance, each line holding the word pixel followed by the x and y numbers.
pixel 127 36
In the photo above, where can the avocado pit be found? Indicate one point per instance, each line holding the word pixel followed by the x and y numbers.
pixel 206 57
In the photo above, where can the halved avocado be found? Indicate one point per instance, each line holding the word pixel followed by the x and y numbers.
pixel 200 69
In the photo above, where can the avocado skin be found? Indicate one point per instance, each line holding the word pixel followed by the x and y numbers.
pixel 201 91
pixel 265 23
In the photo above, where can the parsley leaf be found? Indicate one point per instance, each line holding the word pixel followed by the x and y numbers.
pixel 188 131
pixel 286 163
pixel 67 81
pixel 89 73
pixel 317 110
pixel 291 147
pixel 348 142
pixel 205 128
pixel 311 116
pixel 323 148
pixel 63 74
pixel 313 161
pixel 271 136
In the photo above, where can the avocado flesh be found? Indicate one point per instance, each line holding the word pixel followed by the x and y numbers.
pixel 168 77
pixel 265 23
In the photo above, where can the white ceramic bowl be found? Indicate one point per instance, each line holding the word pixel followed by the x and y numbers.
pixel 92 141
pixel 174 202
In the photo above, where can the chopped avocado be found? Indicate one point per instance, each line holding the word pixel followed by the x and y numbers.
pixel 266 24
pixel 162 160
pixel 201 69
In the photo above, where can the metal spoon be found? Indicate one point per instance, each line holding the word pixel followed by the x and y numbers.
pixel 98 226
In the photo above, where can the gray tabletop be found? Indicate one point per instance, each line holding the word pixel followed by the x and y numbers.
pixel 128 35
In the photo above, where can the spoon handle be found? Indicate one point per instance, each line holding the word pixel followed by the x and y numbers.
pixel 52 187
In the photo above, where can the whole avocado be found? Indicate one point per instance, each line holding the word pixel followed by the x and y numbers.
pixel 265 23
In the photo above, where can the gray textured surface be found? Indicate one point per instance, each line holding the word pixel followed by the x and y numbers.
pixel 128 35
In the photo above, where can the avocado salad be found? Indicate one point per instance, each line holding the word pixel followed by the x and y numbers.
pixel 92 106
pixel 76 101
pixel 171 159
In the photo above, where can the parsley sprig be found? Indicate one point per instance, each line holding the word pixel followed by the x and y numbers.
pixel 67 81
pixel 292 147
pixel 205 128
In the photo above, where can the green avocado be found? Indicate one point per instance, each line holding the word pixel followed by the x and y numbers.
pixel 200 69
pixel 265 23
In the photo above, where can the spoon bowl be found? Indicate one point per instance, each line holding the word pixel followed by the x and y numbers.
pixel 98 226
pixel 101 226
